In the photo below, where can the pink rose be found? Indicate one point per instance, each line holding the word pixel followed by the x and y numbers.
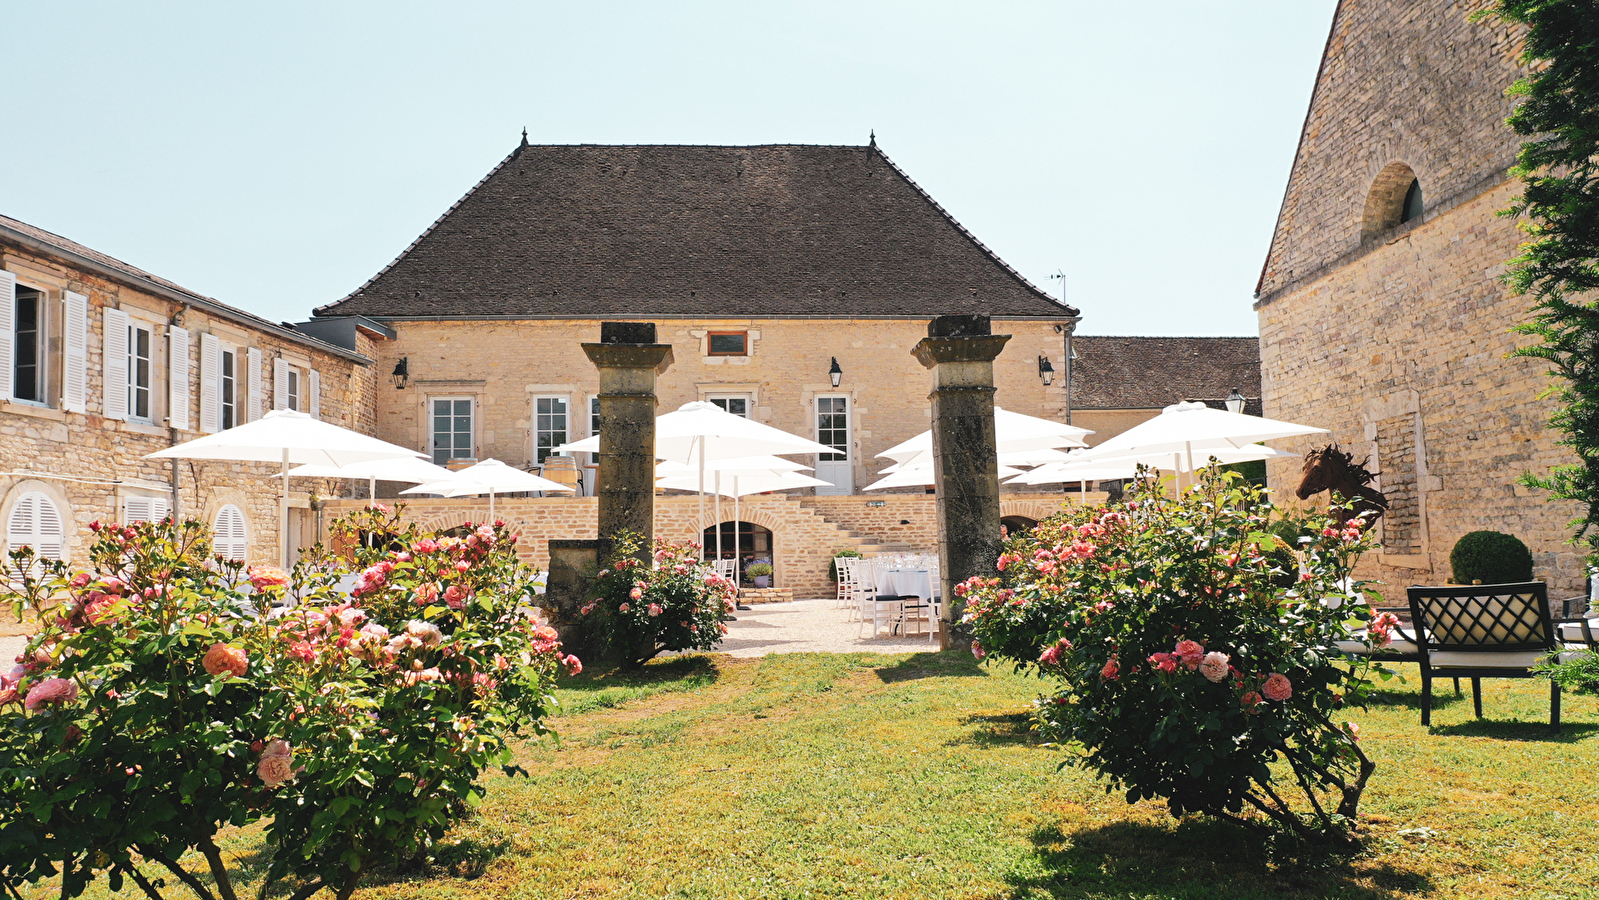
pixel 51 691
pixel 1112 670
pixel 302 651
pixel 574 666
pixel 655 609
pixel 978 651
pixel 1165 662
pixel 277 764
pixel 624 607
pixel 636 594
pixel 1277 687
pixel 427 545
pixel 266 578
pixel 426 632
pixel 1353 730
pixel 226 661
pixel 1214 666
pixel 1189 653
pixel 1250 702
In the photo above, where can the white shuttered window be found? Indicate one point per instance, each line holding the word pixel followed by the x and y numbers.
pixel 115 364
pixel 8 332
pixel 144 509
pixel 75 354
pixel 255 384
pixel 210 384
pixel 280 383
pixel 230 541
pixel 35 522
pixel 314 387
pixel 178 377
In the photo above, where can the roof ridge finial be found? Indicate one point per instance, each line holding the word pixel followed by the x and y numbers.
pixel 873 141
pixel 524 135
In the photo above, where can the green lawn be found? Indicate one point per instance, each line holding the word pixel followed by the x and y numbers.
pixel 916 776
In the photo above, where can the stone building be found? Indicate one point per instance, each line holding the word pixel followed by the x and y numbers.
pixel 102 363
pixel 1118 382
pixel 1382 314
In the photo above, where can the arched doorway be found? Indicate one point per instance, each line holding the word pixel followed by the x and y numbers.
pixel 746 541
pixel 1014 525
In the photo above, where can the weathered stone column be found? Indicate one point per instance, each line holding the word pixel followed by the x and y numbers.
pixel 629 359
pixel 961 351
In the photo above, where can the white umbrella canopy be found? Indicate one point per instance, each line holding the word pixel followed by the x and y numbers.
pixel 488 477
pixel 400 468
pixel 672 469
pixel 1013 432
pixel 736 484
pixel 919 475
pixel 1190 428
pixel 1085 468
pixel 704 430
pixel 287 437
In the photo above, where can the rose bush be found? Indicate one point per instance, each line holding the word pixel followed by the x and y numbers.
pixel 163 702
pixel 672 602
pixel 1185 670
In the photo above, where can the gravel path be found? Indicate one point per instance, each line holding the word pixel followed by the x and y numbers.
pixel 9 648
pixel 809 626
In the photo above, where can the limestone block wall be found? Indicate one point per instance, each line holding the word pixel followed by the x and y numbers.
pixel 1401 352
pixel 90 465
pixel 503 365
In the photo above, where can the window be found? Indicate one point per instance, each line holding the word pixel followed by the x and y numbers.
pixel 230 540
pixel 594 417
pixel 27 379
pixel 728 343
pixel 1393 199
pixel 144 509
pixel 139 371
pixel 1413 205
pixel 294 389
pixel 737 404
pixel 229 382
pixel 549 425
pixel 36 522
pixel 452 429
pixel 832 427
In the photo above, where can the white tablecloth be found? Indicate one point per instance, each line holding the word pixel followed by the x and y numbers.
pixel 907 583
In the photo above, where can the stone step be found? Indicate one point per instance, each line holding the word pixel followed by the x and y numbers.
pixel 765 595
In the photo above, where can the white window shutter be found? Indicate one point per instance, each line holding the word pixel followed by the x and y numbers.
pixel 211 383
pixel 178 377
pixel 144 509
pixel 114 364
pixel 255 384
pixel 230 540
pixel 37 523
pixel 316 394
pixel 75 354
pixel 8 332
pixel 280 383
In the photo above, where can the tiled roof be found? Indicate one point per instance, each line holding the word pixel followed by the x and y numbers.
pixel 1154 372
pixel 593 231
pixel 73 252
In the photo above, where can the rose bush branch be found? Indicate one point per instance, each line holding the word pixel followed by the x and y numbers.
pixel 673 602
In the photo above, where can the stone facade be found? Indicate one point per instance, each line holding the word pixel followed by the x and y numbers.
pixel 806 531
pixel 1395 335
pixel 90 465
pixel 504 366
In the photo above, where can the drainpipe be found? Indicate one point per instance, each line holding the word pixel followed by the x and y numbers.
pixel 1067 330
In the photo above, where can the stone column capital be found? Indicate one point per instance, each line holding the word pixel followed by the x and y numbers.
pixel 655 357
pixel 932 351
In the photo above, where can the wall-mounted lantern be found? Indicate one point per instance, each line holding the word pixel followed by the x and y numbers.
pixel 402 373
pixel 834 373
pixel 1235 402
pixel 1046 370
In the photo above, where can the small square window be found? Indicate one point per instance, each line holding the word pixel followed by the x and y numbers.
pixel 728 343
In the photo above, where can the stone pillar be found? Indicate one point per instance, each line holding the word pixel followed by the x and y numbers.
pixel 961 351
pixel 629 359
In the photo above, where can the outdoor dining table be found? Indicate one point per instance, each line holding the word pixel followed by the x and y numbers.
pixel 907 582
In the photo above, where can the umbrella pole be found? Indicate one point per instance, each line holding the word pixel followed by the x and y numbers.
pixel 491 505
pixel 283 512
pixel 701 535
pixel 737 547
pixel 372 491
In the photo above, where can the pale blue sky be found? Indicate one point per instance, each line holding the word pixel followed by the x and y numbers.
pixel 275 156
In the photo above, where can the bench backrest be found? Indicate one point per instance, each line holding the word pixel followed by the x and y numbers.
pixel 1505 617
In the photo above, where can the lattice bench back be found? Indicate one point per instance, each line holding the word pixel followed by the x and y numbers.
pixel 1483 616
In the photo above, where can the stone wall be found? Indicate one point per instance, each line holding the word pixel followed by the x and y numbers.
pixel 804 533
pixel 90 465
pixel 1402 354
pixel 504 365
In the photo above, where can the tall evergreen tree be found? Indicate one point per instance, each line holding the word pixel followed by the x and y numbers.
pixel 1559 266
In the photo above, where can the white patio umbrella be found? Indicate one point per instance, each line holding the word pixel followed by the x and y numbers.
pixel 757 467
pixel 1082 468
pixel 287 437
pixel 1012 432
pixel 488 477
pixel 918 475
pixel 408 469
pixel 699 431
pixel 1015 458
pixel 1184 429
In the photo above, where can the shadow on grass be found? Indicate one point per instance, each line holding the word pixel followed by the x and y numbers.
pixel 608 688
pixel 1200 858
pixel 466 859
pixel 1441 699
pixel 945 664
pixel 1000 730
pixel 1518 730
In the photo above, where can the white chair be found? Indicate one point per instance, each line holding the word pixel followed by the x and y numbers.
pixel 874 611
pixel 727 568
pixel 846 583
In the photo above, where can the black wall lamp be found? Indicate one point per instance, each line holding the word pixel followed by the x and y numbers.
pixel 402 373
pixel 834 373
pixel 1046 370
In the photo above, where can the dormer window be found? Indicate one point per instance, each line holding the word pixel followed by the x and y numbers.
pixel 728 343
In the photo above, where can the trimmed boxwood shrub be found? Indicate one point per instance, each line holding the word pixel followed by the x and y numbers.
pixel 832 567
pixel 1491 557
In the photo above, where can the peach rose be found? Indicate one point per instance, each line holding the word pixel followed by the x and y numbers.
pixel 1214 666
pixel 265 578
pixel 226 661
pixel 51 691
pixel 1190 653
pixel 1277 687
pixel 277 764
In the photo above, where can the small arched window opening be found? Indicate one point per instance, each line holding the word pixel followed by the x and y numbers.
pixel 36 522
pixel 231 540
pixel 1413 205
pixel 745 541
pixel 1014 525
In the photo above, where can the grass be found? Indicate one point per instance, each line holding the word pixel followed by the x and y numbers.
pixel 815 775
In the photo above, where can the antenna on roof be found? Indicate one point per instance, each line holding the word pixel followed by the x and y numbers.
pixel 524 135
pixel 1062 276
pixel 873 142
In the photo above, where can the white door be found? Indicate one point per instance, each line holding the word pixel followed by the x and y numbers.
pixel 833 429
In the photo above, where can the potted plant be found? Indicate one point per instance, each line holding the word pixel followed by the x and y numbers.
pixel 761 571
pixel 1490 557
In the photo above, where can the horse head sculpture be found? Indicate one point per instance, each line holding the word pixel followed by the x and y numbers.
pixel 1331 469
